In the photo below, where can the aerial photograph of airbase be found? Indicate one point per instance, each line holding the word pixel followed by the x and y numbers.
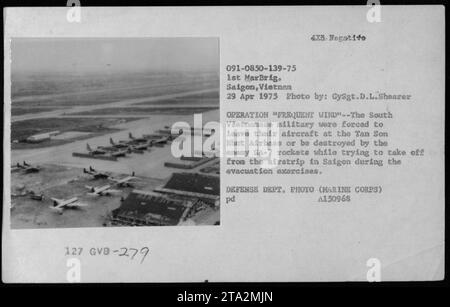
pixel 92 128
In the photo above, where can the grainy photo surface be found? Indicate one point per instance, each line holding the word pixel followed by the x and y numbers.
pixel 91 132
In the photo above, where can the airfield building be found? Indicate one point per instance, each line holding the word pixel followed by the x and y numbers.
pixel 200 188
pixel 182 199
pixel 143 208
pixel 37 138
pixel 188 162
pixel 194 184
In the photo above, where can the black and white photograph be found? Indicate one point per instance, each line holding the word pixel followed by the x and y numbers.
pixel 92 125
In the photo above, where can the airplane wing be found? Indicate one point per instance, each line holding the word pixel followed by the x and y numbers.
pixel 110 191
pixel 76 204
pixel 59 206
pixel 124 180
pixel 104 190
pixel 113 191
pixel 97 191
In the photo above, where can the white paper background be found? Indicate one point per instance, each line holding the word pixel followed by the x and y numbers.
pixel 269 238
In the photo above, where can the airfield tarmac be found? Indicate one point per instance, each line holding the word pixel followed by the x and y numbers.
pixel 149 164
pixel 64 183
pixel 61 176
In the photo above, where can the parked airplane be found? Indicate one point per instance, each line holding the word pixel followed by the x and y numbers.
pixel 113 151
pixel 140 146
pixel 116 152
pixel 160 142
pixel 139 140
pixel 102 191
pixel 139 143
pixel 95 151
pixel 60 204
pixel 28 168
pixel 118 145
pixel 128 146
pixel 124 181
pixel 95 174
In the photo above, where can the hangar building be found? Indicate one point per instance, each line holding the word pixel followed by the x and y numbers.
pixel 143 208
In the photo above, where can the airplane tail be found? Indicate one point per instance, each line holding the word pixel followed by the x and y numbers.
pixel 25 163
pixel 111 141
pixel 85 171
pixel 91 169
pixel 132 174
pixel 131 136
pixel 88 147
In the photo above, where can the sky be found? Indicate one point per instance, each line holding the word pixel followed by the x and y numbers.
pixel 114 54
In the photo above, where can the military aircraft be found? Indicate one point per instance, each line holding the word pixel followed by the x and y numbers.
pixel 102 191
pixel 130 146
pixel 160 142
pixel 95 174
pixel 113 151
pixel 94 152
pixel 139 143
pixel 60 204
pixel 118 145
pixel 138 140
pixel 28 168
pixel 124 181
pixel 141 146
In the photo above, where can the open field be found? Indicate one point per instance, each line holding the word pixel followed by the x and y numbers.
pixel 27 110
pixel 82 90
pixel 116 104
pixel 51 84
pixel 94 126
pixel 52 95
pixel 200 99
pixel 147 111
